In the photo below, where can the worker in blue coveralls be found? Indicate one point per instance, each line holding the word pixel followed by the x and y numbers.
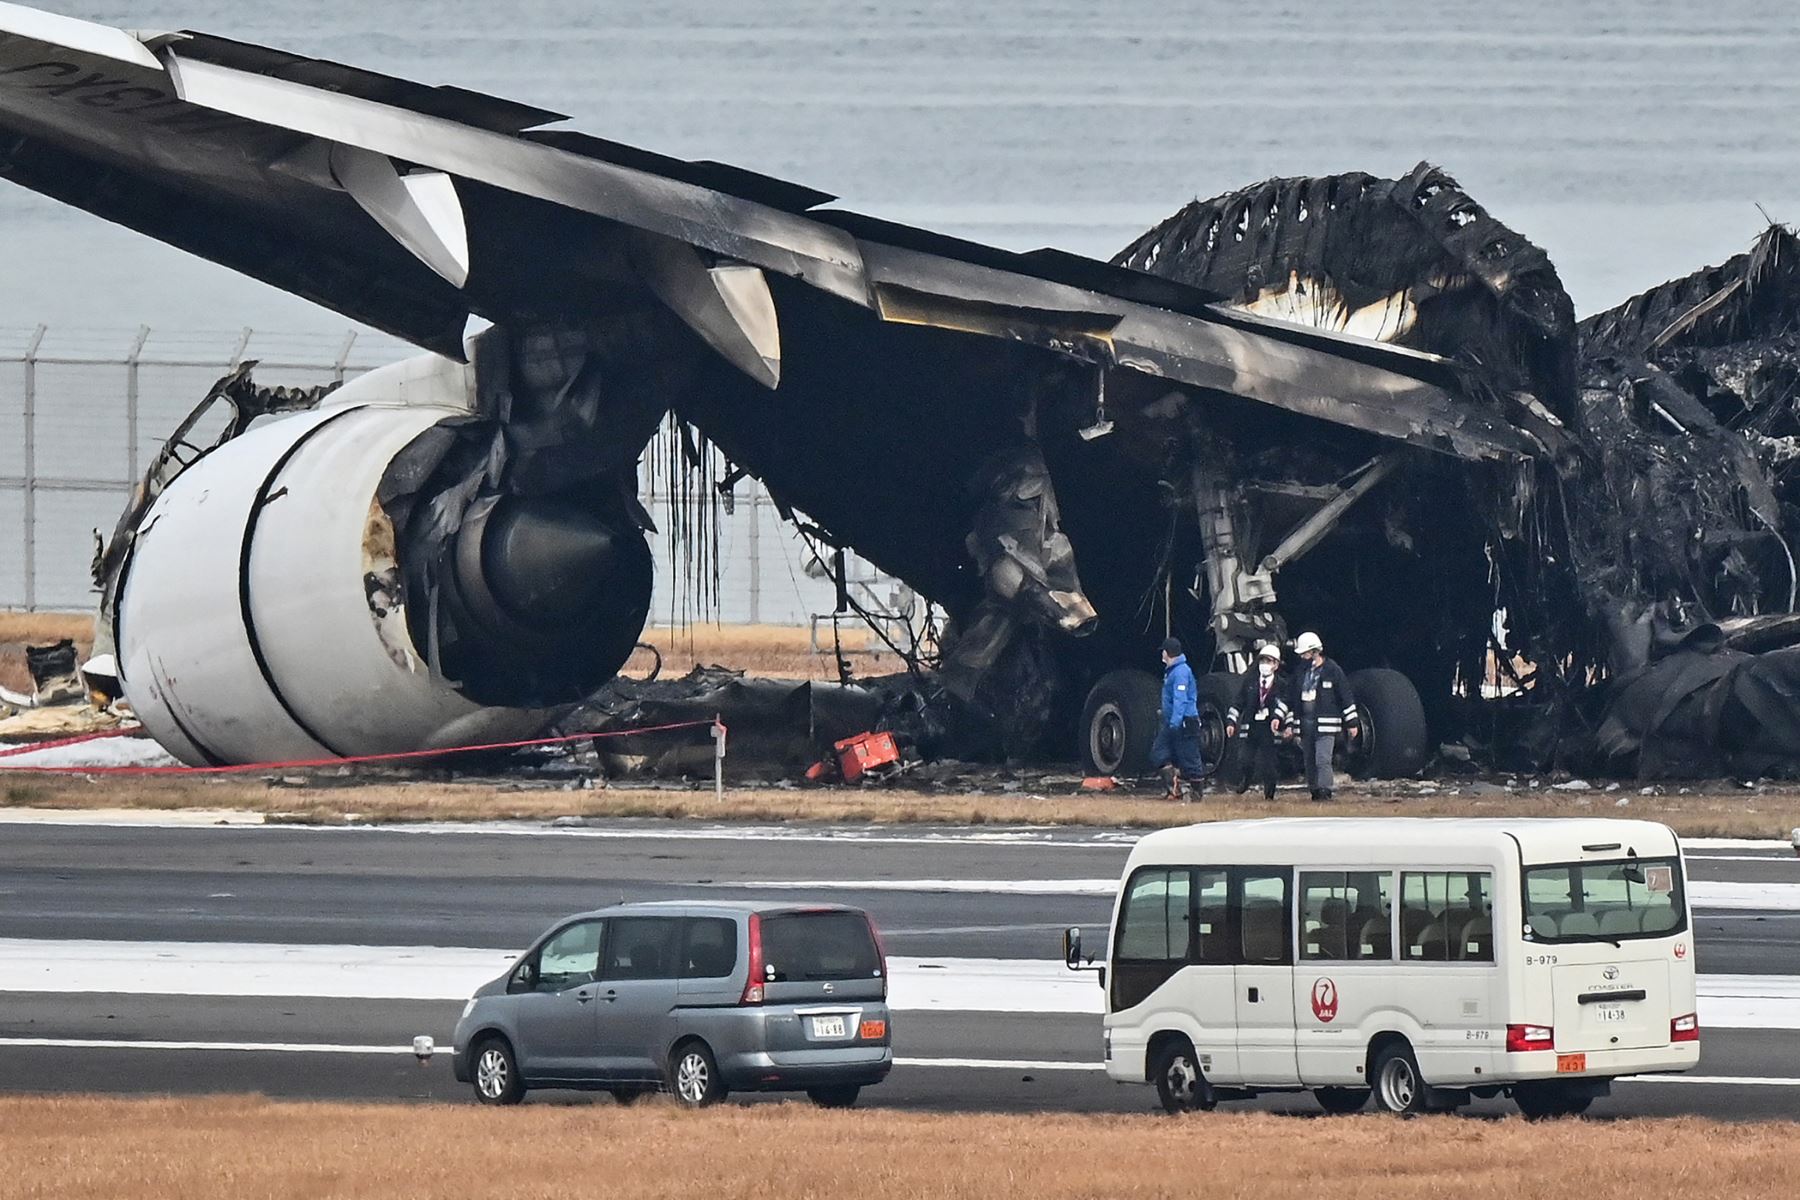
pixel 1177 741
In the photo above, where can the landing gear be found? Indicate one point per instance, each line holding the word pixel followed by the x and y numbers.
pixel 1395 741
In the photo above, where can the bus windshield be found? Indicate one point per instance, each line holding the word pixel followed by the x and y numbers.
pixel 1606 901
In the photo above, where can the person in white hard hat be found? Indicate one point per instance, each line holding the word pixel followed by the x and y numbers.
pixel 1259 716
pixel 1325 708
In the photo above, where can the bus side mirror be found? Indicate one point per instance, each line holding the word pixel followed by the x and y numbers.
pixel 1072 948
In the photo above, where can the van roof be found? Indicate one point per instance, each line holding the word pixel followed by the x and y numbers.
pixel 1538 839
pixel 711 907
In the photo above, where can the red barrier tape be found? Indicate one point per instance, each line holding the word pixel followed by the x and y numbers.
pixel 34 747
pixel 310 763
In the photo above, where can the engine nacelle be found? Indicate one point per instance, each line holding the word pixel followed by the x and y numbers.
pixel 261 615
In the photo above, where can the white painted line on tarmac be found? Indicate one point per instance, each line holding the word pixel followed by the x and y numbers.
pixel 1704 894
pixel 915 984
pixel 1028 887
pixel 231 1047
pixel 1720 1080
pixel 1027 837
pixel 998 1064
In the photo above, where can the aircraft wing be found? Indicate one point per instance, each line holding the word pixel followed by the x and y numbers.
pixel 411 208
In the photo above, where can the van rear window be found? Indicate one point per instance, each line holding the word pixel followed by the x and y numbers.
pixel 800 947
pixel 1605 901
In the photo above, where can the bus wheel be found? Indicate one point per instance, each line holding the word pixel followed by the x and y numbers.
pixel 1341 1100
pixel 1548 1099
pixel 1180 1084
pixel 1398 1087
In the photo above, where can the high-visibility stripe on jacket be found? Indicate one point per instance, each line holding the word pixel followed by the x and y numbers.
pixel 1334 704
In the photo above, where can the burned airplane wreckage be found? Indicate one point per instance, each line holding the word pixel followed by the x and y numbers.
pixel 1351 404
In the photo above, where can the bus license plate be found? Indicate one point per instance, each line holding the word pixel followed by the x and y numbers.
pixel 1609 1013
pixel 828 1027
pixel 1571 1064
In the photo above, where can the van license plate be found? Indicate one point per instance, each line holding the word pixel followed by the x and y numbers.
pixel 1571 1064
pixel 828 1027
pixel 1606 1014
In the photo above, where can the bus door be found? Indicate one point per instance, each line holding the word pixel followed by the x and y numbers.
pixel 1172 961
pixel 1263 909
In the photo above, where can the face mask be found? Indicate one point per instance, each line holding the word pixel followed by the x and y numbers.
pixel 1266 670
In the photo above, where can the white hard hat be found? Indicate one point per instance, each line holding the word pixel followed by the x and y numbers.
pixel 1306 643
pixel 1269 650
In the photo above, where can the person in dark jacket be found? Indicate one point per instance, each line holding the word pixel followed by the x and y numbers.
pixel 1325 708
pixel 1178 736
pixel 1259 717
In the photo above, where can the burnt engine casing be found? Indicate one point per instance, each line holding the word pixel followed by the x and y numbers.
pixel 262 617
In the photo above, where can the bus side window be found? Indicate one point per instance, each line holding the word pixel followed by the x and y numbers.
pixel 1262 915
pixel 1324 916
pixel 1447 916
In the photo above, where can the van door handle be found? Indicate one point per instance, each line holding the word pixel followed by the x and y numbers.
pixel 1255 995
pixel 611 996
pixel 583 997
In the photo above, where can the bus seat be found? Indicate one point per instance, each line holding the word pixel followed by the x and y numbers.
pixel 1412 923
pixel 1578 924
pixel 1543 924
pixel 1263 933
pixel 1374 942
pixel 1432 945
pixel 1619 920
pixel 1659 917
pixel 1477 941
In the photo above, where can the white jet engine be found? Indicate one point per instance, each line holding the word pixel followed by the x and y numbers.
pixel 261 613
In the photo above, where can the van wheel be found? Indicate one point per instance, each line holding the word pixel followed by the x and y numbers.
pixel 1341 1100
pixel 1395 739
pixel 497 1073
pixel 1180 1084
pixel 1398 1085
pixel 1548 1100
pixel 694 1075
pixel 840 1096
pixel 1118 723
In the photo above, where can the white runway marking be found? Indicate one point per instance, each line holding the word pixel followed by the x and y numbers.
pixel 1705 894
pixel 990 985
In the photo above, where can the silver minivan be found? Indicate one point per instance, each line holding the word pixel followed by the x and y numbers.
pixel 700 999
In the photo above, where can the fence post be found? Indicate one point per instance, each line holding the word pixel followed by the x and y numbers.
pixel 343 357
pixel 755 552
pixel 30 466
pixel 131 403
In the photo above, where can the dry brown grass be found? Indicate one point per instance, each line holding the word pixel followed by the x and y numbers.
pixel 21 629
pixel 774 651
pixel 1767 813
pixel 233 1147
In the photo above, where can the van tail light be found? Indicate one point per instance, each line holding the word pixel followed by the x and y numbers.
pixel 1685 1029
pixel 881 952
pixel 753 981
pixel 1521 1038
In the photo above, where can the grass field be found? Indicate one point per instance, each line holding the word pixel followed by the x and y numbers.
pixel 329 799
pixel 233 1147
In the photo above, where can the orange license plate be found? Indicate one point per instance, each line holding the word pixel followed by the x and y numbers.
pixel 873 1029
pixel 1571 1064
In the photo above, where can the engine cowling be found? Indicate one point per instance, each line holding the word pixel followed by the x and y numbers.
pixel 262 617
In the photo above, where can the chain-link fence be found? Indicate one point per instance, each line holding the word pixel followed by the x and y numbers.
pixel 82 412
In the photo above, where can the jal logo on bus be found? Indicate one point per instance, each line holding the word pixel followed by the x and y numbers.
pixel 1325 1000
pixel 1680 949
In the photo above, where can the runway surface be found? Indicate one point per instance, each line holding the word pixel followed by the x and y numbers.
pixel 299 961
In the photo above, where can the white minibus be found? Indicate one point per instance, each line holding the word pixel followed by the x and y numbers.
pixel 1424 961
